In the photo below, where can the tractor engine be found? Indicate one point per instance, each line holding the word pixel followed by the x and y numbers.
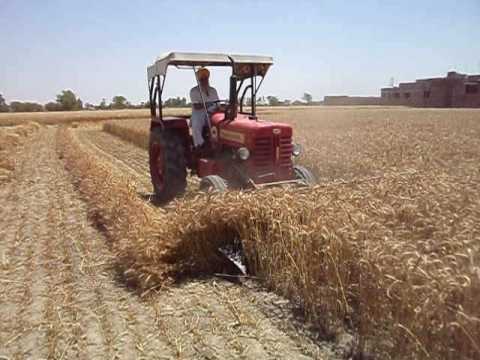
pixel 249 151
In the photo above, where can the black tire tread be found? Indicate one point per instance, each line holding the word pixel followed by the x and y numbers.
pixel 176 169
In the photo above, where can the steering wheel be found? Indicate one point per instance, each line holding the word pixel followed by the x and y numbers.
pixel 221 105
pixel 221 102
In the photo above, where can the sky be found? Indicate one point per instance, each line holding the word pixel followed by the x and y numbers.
pixel 100 49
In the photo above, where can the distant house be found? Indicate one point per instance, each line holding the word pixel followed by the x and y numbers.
pixel 454 90
pixel 299 103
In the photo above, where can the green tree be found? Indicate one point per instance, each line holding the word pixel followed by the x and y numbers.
pixel 68 101
pixel 261 101
pixel 145 105
pixel 307 98
pixel 273 101
pixel 88 106
pixel 119 102
pixel 3 104
pixel 176 102
pixel 53 106
pixel 18 106
pixel 103 105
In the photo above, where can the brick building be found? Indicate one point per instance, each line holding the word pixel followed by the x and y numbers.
pixel 454 90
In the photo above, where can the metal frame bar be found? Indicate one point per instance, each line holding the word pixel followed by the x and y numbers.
pixel 152 95
pixel 160 85
pixel 243 96
pixel 254 86
pixel 155 90
pixel 240 85
pixel 157 84
pixel 254 92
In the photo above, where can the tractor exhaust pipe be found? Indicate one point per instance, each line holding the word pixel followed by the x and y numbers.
pixel 232 113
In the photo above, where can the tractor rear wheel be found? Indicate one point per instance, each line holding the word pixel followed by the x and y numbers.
pixel 213 183
pixel 302 173
pixel 168 168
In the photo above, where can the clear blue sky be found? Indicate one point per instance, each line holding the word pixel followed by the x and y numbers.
pixel 101 48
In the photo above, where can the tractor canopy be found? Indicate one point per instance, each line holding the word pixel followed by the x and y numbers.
pixel 244 66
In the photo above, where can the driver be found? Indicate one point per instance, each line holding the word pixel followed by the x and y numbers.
pixel 199 118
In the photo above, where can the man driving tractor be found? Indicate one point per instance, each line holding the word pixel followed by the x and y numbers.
pixel 243 152
pixel 198 95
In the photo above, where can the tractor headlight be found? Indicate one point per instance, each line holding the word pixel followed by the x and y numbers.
pixel 297 149
pixel 243 153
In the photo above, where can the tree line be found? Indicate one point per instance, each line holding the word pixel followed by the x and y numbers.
pixel 307 99
pixel 68 101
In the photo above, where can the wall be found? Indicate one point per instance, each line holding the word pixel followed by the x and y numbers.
pixel 352 100
pixel 460 97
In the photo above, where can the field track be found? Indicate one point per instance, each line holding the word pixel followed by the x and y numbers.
pixel 128 157
pixel 61 297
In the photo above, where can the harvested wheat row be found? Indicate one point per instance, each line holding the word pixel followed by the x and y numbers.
pixel 395 257
pixel 10 139
pixel 149 253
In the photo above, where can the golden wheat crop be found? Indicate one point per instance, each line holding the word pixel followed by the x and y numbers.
pixel 134 131
pixel 387 245
pixel 347 143
pixel 68 117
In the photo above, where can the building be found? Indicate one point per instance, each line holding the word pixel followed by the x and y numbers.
pixel 454 90
pixel 352 100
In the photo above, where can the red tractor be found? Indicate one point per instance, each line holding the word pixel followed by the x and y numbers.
pixel 241 150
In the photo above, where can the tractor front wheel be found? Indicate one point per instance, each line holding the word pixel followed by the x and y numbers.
pixel 213 183
pixel 168 169
pixel 305 175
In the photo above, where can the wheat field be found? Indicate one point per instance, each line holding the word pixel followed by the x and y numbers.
pixel 383 251
pixel 391 235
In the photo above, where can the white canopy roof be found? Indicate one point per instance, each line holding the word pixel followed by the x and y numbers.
pixel 243 63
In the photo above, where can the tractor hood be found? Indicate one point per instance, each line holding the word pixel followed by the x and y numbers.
pixel 244 130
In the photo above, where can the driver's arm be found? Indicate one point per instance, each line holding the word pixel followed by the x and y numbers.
pixel 215 99
pixel 196 99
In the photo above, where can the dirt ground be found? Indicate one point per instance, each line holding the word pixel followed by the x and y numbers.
pixel 61 299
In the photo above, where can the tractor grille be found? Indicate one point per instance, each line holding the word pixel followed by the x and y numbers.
pixel 263 154
pixel 285 151
pixel 272 153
